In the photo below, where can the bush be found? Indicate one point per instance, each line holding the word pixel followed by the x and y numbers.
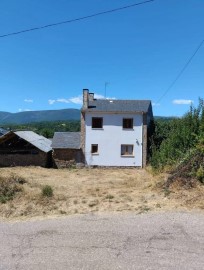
pixel 47 191
pixel 200 174
pixel 173 140
pixel 9 186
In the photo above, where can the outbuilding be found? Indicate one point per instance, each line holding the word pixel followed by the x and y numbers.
pixel 25 148
pixel 66 148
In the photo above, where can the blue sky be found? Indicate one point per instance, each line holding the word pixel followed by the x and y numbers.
pixel 138 51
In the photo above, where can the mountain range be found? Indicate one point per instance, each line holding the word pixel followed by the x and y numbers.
pixel 47 116
pixel 39 116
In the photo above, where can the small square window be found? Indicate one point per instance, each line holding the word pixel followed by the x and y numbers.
pixel 94 149
pixel 127 150
pixel 128 123
pixel 97 122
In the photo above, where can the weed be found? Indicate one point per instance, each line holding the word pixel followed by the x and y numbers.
pixel 109 197
pixel 166 192
pixel 144 209
pixel 18 179
pixel 9 186
pixel 93 203
pixel 75 201
pixel 200 174
pixel 158 205
pixel 47 191
pixel 63 212
pixel 3 199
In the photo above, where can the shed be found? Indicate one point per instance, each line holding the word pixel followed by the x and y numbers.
pixel 25 148
pixel 66 148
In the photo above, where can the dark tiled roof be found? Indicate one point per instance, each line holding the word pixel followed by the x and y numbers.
pixel 69 140
pixel 104 105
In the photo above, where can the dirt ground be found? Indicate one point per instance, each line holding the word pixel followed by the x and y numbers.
pixel 86 190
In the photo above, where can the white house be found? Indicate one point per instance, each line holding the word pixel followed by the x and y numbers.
pixel 114 132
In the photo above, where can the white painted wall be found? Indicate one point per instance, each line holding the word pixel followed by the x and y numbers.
pixel 110 138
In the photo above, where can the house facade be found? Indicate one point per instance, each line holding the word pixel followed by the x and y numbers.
pixel 114 132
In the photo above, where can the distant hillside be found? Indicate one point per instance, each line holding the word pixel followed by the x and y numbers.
pixel 48 116
pixel 165 118
pixel 39 116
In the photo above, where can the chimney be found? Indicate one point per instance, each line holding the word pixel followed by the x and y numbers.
pixel 91 96
pixel 85 98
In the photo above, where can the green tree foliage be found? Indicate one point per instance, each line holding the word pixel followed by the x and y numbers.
pixel 175 139
pixel 47 129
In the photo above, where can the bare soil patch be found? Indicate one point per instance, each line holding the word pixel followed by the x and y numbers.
pixel 95 190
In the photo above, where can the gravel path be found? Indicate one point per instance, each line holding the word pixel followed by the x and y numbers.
pixel 171 240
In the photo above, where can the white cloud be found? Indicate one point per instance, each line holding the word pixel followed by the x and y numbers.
pixel 76 100
pixel 97 96
pixel 155 104
pixel 51 101
pixel 63 100
pixel 28 100
pixel 24 110
pixel 60 100
pixel 182 101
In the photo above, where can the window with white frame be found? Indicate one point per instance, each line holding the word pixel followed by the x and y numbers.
pixel 127 149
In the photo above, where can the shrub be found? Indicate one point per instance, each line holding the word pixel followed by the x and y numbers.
pixel 9 186
pixel 200 174
pixel 109 196
pixel 47 191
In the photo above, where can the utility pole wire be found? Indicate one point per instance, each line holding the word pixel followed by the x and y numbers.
pixel 182 71
pixel 77 19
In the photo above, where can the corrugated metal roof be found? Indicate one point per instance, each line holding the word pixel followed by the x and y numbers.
pixel 66 140
pixel 104 105
pixel 38 141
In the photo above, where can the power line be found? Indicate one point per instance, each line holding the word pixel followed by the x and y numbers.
pixel 77 19
pixel 182 71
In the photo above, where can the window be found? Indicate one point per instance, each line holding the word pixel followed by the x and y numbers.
pixel 94 149
pixel 126 150
pixel 97 122
pixel 128 123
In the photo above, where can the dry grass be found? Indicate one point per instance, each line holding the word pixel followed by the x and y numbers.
pixel 91 190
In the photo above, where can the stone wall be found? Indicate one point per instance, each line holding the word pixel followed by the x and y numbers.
pixel 39 159
pixel 65 158
pixel 67 154
pixel 83 136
